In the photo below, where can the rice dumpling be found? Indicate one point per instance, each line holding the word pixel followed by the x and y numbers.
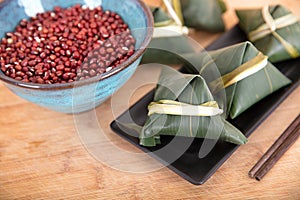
pixel 273 30
pixel 170 27
pixel 184 106
pixel 246 74
pixel 169 39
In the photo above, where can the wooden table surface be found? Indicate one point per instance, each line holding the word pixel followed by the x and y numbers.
pixel 42 157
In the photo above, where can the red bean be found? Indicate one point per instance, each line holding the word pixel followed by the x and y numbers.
pixel 40 80
pixel 92 72
pixel 46 75
pixel 71 36
pixel 53 38
pixel 60 67
pixel 67 69
pixel 25 69
pixel 29 73
pixel 65 59
pixel 32 63
pixel 52 57
pixel 62 52
pixel 110 50
pixel 56 43
pixel 43 55
pixel 57 49
pixel 19 73
pixel 18 67
pixel 93 25
pixel 39 72
pixel 59 73
pixel 76 55
pixel 65 76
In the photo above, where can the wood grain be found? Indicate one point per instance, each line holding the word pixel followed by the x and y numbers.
pixel 42 157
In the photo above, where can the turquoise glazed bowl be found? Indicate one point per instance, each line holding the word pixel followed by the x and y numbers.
pixel 86 94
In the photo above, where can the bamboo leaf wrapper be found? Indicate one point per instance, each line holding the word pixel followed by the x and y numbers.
pixel 170 33
pixel 247 91
pixel 191 90
pixel 162 48
pixel 274 31
pixel 204 14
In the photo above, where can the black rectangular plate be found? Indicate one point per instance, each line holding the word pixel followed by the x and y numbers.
pixel 189 166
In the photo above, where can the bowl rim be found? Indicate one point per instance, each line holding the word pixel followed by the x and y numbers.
pixel 137 54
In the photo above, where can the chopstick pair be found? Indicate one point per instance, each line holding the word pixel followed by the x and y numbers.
pixel 282 144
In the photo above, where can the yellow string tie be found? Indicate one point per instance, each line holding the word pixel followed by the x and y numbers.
pixel 170 107
pixel 177 8
pixel 271 26
pixel 172 12
pixel 174 27
pixel 245 70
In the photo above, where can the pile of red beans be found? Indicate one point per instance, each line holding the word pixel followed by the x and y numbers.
pixel 66 45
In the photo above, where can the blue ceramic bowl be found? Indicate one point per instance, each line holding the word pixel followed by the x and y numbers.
pixel 86 94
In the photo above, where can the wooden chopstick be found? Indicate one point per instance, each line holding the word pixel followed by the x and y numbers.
pixel 274 153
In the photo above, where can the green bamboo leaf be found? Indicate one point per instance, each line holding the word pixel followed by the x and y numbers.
pixel 189 89
pixel 160 17
pixel 271 45
pixel 247 92
pixel 159 50
pixel 222 5
pixel 198 14
pixel 203 14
